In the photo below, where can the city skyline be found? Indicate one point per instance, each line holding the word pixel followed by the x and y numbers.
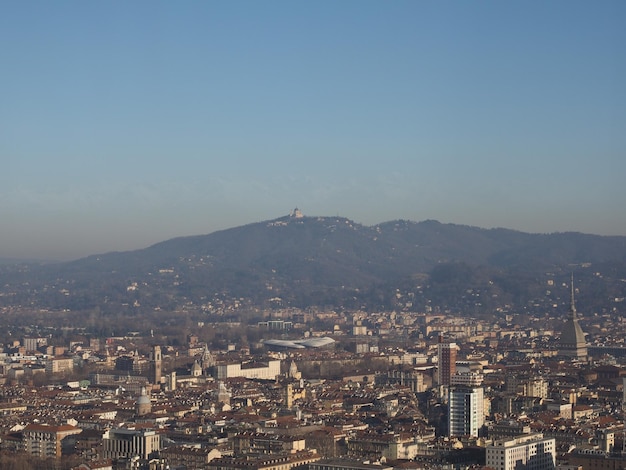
pixel 129 124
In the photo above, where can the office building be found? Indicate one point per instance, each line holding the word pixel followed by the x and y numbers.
pixel 126 443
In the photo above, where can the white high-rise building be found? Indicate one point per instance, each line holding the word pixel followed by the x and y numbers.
pixel 466 411
pixel 527 452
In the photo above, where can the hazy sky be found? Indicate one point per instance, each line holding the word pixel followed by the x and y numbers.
pixel 127 123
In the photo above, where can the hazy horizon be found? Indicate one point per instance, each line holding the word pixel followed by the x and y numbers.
pixel 138 247
pixel 126 124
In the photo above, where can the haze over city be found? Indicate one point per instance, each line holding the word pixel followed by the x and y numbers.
pixel 124 124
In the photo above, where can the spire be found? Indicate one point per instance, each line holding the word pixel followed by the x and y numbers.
pixel 573 343
pixel 207 360
pixel 573 304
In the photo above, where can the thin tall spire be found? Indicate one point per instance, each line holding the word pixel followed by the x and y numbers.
pixel 573 305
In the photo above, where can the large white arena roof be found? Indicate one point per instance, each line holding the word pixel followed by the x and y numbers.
pixel 300 343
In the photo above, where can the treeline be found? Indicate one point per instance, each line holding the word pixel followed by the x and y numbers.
pixel 24 461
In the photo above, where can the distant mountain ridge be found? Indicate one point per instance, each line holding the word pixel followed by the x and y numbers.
pixel 307 261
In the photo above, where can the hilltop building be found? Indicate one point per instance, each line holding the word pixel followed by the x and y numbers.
pixel 296 214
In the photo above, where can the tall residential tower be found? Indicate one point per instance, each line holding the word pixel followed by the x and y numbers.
pixel 446 361
pixel 466 410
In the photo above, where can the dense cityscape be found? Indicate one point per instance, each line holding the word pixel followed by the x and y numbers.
pixel 323 390
pixel 328 235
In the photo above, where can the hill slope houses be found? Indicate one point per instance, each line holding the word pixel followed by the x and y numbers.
pixel 304 260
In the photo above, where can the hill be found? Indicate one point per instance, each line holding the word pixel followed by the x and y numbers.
pixel 327 261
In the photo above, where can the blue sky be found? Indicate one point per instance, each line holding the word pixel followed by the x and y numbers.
pixel 127 123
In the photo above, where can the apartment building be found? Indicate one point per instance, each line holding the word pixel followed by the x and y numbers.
pixel 528 452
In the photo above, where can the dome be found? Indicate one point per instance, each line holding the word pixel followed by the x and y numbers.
pixel 143 405
pixel 143 400
pixel 196 369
